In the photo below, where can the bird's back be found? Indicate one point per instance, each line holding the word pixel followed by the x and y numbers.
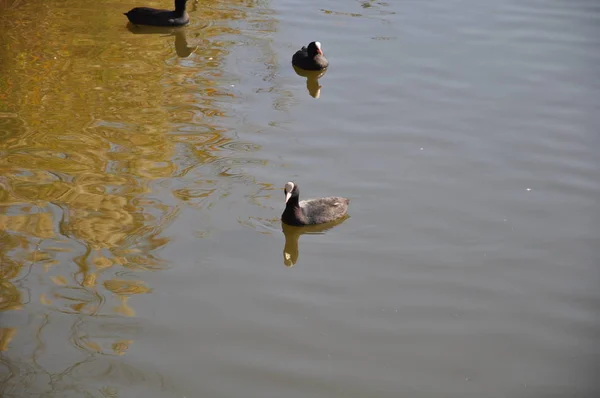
pixel 301 54
pixel 155 17
pixel 324 209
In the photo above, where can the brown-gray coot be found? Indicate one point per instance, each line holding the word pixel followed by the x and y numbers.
pixel 156 17
pixel 310 212
pixel 310 58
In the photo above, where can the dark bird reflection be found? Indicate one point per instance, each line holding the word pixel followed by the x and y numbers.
pixel 292 234
pixel 182 47
pixel 312 80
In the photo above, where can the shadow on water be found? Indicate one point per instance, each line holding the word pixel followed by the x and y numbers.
pixel 312 80
pixel 182 47
pixel 291 250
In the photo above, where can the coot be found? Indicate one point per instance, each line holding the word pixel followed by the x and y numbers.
pixel 310 212
pixel 310 58
pixel 156 17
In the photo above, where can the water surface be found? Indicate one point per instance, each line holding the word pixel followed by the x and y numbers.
pixel 141 184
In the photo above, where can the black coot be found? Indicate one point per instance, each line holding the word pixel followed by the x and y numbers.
pixel 156 17
pixel 310 58
pixel 313 211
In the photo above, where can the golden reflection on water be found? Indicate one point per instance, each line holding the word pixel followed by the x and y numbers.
pixel 91 116
pixel 312 80
pixel 291 249
pixel 6 335
pixel 183 48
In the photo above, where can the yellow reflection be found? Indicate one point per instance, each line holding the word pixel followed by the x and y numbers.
pixel 102 262
pixel 59 280
pixel 122 287
pixel 312 80
pixel 89 280
pixel 92 119
pixel 39 225
pixel 45 300
pixel 10 298
pixel 292 234
pixel 124 308
pixel 6 335
pixel 182 47
pixel 92 346
pixel 121 346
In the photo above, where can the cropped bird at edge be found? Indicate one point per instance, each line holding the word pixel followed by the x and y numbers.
pixel 157 17
pixel 310 58
pixel 313 211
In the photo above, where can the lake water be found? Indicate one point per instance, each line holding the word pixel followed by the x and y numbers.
pixel 141 185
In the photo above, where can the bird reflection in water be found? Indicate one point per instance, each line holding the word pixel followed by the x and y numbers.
pixel 292 234
pixel 182 47
pixel 312 80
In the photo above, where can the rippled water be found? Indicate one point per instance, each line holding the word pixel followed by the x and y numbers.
pixel 141 184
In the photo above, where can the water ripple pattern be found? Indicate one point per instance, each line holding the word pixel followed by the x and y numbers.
pixel 141 189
